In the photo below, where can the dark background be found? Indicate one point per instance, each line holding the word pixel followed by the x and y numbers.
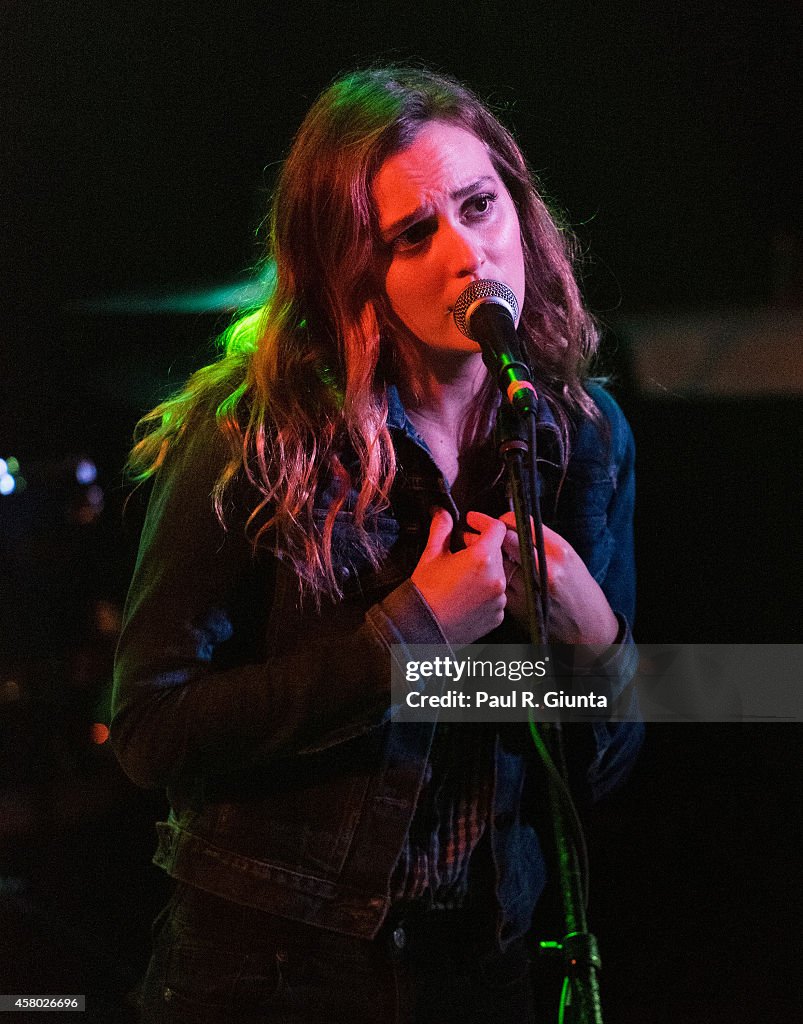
pixel 140 143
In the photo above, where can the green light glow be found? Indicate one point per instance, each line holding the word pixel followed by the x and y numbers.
pixel 215 300
pixel 229 404
pixel 328 376
pixel 241 337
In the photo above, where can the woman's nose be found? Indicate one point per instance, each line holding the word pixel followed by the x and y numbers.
pixel 465 250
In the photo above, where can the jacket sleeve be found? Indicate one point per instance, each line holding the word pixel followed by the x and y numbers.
pixel 607 530
pixel 176 708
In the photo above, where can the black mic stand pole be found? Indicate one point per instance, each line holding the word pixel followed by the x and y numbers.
pixel 579 947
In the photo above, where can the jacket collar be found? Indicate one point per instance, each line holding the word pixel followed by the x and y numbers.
pixel 398 420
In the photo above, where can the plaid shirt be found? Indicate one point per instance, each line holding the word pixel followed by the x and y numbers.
pixel 451 816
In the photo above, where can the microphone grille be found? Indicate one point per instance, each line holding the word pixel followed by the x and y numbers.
pixel 477 290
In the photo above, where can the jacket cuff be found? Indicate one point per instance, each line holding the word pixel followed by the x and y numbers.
pixel 404 618
pixel 619 663
pixel 617 743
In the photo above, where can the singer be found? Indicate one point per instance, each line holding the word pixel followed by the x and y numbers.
pixel 330 487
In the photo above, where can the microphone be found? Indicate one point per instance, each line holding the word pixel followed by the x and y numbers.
pixel 486 312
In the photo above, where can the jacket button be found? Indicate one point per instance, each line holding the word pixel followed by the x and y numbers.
pixel 167 994
pixel 399 937
pixel 503 820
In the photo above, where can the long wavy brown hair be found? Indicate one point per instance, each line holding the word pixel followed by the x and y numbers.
pixel 301 383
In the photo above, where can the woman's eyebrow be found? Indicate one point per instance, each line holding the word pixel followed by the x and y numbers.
pixel 463 192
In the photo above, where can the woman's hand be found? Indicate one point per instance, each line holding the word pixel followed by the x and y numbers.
pixel 464 589
pixel 579 612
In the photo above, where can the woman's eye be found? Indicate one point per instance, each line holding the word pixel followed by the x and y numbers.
pixel 414 235
pixel 483 203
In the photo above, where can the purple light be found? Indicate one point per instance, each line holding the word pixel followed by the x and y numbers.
pixel 86 472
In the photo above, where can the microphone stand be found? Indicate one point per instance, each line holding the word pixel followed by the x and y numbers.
pixel 579 947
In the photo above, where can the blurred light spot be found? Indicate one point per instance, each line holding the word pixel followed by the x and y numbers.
pixel 86 472
pixel 7 483
pixel 107 617
pixel 12 465
pixel 99 732
pixel 9 691
pixel 10 886
pixel 3 467
pixel 94 495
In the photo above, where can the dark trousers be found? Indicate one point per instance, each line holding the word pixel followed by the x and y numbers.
pixel 216 962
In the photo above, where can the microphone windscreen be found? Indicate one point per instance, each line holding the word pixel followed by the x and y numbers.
pixel 482 291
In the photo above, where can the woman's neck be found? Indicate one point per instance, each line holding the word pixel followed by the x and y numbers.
pixel 442 390
pixel 442 406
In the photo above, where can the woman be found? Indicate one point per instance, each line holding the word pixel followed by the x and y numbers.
pixel 313 490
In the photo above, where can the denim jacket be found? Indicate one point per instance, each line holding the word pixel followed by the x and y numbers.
pixel 268 719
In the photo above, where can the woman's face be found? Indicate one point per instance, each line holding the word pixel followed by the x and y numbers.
pixel 447 220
